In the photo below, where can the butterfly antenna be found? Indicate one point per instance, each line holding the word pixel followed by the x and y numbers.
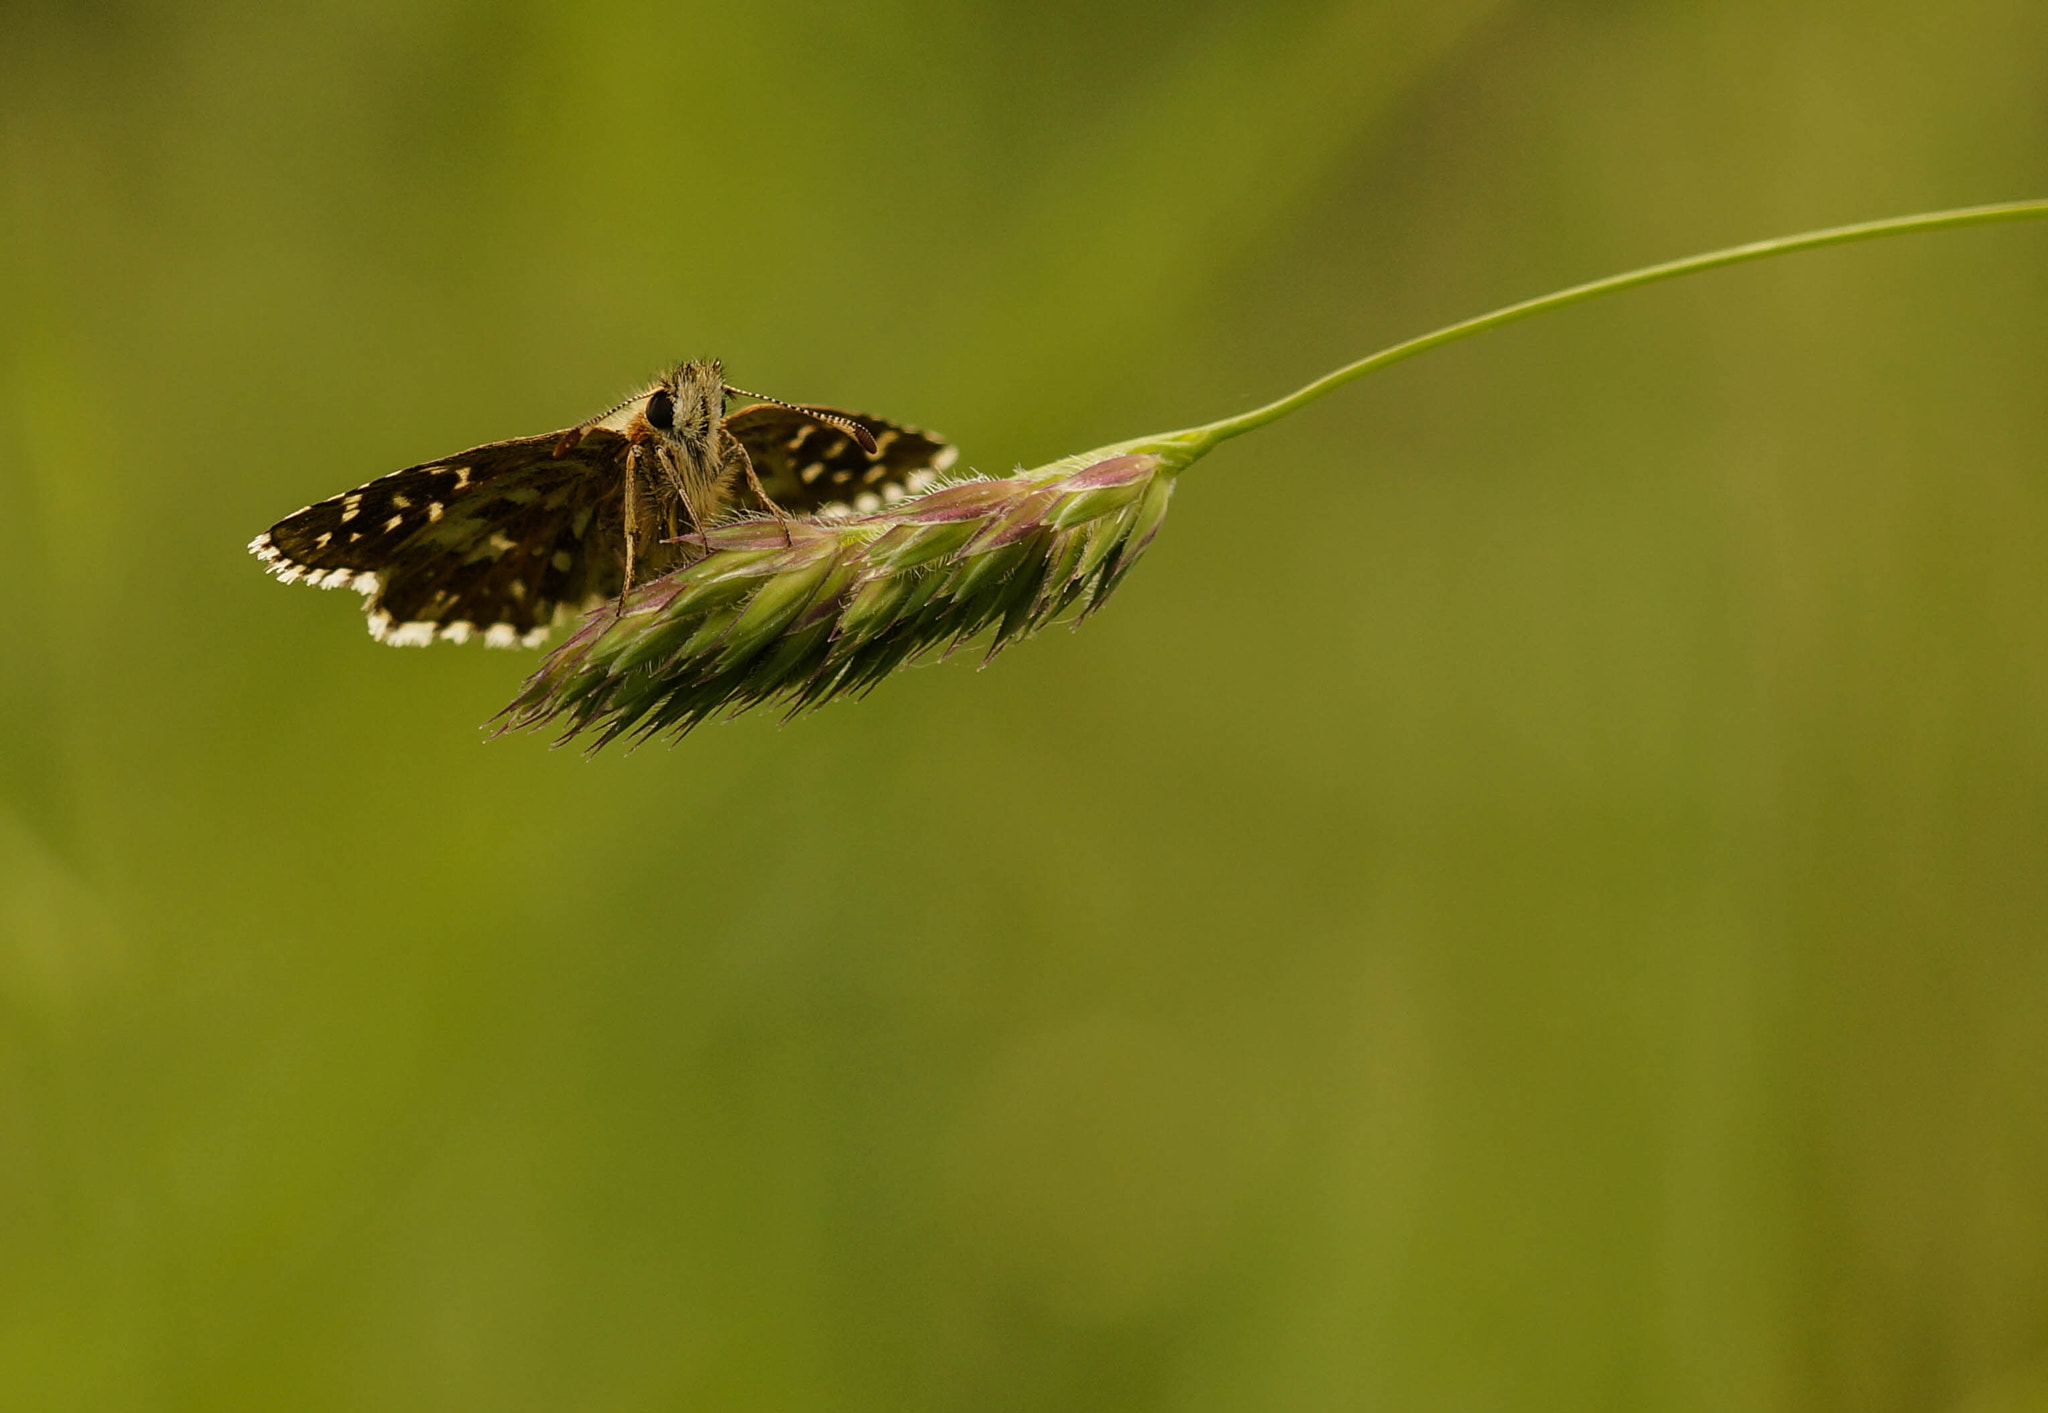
pixel 575 434
pixel 817 414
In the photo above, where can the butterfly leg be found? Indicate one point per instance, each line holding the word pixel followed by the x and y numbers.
pixel 632 524
pixel 760 492
pixel 736 454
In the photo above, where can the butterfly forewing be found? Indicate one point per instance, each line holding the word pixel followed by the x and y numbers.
pixel 492 540
pixel 809 467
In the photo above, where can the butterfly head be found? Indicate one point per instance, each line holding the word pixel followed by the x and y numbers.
pixel 687 403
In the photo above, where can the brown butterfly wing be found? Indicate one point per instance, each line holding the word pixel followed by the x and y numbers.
pixel 493 540
pixel 809 468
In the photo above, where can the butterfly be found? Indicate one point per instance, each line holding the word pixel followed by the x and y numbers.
pixel 508 538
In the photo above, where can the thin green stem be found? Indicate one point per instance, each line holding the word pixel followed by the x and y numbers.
pixel 1200 439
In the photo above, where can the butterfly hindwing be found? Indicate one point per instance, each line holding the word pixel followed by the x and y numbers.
pixel 811 468
pixel 491 540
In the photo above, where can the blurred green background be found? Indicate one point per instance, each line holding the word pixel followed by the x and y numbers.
pixel 1532 897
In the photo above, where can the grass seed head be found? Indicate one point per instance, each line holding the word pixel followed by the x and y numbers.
pixel 799 613
pixel 844 603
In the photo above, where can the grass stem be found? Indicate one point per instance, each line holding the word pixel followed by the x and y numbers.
pixel 1200 439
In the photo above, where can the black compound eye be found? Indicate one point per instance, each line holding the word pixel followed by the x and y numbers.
pixel 661 411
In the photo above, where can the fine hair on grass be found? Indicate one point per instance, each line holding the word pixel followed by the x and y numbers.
pixel 795 614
